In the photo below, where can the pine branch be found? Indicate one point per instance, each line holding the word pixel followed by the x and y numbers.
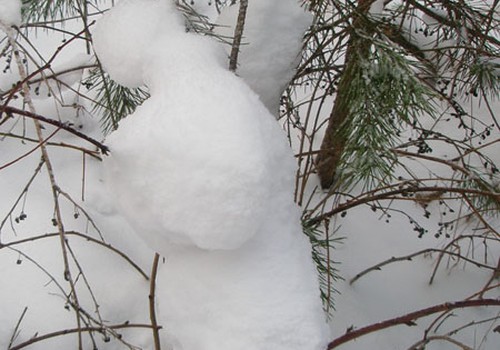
pixel 36 10
pixel 113 101
pixel 333 144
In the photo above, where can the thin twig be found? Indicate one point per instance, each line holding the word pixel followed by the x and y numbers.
pixel 80 208
pixel 24 155
pixel 152 308
pixel 409 319
pixel 65 126
pixel 422 342
pixel 23 192
pixel 15 333
pixel 411 256
pixel 93 153
pixel 53 183
pixel 373 197
pixel 494 276
pixel 238 35
pixel 81 235
pixel 76 330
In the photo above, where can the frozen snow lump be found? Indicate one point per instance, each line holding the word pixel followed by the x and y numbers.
pixel 10 12
pixel 272 40
pixel 123 38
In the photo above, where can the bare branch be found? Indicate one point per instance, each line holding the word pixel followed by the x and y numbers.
pixel 81 235
pixel 409 257
pixel 409 319
pixel 152 307
pixel 65 126
pixel 420 343
pixel 76 330
pixel 16 329
pixel 373 197
pixel 238 35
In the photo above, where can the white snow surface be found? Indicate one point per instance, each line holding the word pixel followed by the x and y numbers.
pixel 272 40
pixel 122 292
pixel 205 175
pixel 132 30
pixel 377 8
pixel 10 12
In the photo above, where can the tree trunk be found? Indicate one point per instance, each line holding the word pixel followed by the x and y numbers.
pixel 334 141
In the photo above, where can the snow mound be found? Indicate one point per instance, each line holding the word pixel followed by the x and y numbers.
pixel 205 175
pixel 199 161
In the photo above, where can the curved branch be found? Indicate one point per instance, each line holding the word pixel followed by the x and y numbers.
pixel 409 319
pixel 75 330
pixel 379 266
pixel 65 126
pixel 81 235
pixel 94 154
pixel 373 197
pixel 152 309
pixel 422 342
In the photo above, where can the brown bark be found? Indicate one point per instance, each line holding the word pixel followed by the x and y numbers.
pixel 409 319
pixel 334 141
pixel 238 35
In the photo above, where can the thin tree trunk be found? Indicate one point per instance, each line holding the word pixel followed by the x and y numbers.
pixel 334 141
pixel 238 35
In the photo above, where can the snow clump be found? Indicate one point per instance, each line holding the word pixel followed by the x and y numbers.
pixel 272 40
pixel 122 49
pixel 205 175
pixel 10 12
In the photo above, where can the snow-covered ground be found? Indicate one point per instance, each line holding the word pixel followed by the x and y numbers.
pixel 263 295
